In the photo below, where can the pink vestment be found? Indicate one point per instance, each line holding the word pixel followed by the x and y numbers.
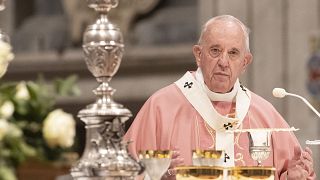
pixel 168 121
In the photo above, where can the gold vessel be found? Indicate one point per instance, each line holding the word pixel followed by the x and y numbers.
pixel 212 154
pixel 205 157
pixel 147 154
pixel 251 173
pixel 199 172
pixel 220 173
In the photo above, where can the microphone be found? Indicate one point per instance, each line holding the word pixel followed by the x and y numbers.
pixel 280 93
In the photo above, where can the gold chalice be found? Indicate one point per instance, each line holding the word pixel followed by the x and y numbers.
pixel 251 173
pixel 156 162
pixel 199 172
pixel 205 157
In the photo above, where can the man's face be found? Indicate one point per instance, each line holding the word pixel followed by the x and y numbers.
pixel 222 55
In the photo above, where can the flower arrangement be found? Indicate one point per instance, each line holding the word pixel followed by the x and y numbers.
pixel 30 124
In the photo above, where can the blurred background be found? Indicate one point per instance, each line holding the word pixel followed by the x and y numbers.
pixel 46 37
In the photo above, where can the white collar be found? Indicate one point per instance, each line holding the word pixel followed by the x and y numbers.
pixel 213 96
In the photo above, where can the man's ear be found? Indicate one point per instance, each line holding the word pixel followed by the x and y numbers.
pixel 197 53
pixel 247 60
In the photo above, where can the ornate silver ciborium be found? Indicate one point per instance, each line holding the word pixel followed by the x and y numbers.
pixel 105 156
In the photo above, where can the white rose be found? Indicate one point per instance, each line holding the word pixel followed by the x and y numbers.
pixel 22 92
pixel 5 57
pixel 3 67
pixel 59 129
pixel 14 130
pixel 7 109
pixel 4 126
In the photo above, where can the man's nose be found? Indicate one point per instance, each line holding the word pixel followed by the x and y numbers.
pixel 224 60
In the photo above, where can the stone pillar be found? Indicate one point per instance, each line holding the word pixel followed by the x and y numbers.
pixel 206 10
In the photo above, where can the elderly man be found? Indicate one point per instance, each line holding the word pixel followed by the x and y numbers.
pixel 195 111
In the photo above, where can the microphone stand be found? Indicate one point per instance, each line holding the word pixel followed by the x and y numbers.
pixel 306 102
pixel 309 142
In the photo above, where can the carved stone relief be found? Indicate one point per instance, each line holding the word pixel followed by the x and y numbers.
pixel 80 15
pixel 45 30
pixel 58 25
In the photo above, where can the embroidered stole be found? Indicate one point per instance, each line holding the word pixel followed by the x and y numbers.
pixel 195 94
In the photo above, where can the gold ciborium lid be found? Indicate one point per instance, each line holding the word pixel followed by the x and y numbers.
pixel 199 172
pixel 251 173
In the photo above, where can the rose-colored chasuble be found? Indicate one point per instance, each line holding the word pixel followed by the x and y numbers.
pixel 169 121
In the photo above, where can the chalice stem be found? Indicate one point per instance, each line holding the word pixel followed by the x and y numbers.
pixel 259 163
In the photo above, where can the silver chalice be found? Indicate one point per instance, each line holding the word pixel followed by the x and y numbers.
pixel 259 145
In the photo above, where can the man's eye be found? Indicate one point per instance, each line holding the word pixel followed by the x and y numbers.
pixel 215 52
pixel 233 54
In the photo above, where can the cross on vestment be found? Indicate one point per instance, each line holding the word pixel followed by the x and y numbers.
pixel 188 84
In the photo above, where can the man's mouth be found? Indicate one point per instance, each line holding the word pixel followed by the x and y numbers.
pixel 221 74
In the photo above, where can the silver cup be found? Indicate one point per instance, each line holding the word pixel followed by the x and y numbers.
pixel 259 145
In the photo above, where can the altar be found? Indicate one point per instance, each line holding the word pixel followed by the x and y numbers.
pixel 158 50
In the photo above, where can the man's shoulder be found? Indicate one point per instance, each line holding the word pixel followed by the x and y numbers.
pixel 260 104
pixel 267 112
pixel 257 99
pixel 169 92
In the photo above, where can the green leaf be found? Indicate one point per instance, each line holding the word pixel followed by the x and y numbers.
pixel 67 87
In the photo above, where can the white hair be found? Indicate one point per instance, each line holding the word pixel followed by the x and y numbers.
pixel 227 18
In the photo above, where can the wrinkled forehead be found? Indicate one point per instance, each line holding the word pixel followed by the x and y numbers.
pixel 227 30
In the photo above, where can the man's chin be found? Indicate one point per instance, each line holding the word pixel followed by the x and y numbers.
pixel 220 89
pixel 221 79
